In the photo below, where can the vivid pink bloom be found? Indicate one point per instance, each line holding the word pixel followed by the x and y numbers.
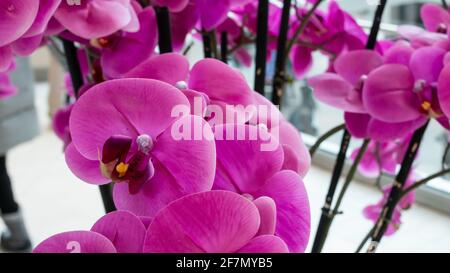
pixel 23 25
pixel 382 156
pixel 435 17
pixel 410 93
pixel 133 144
pixel 118 231
pixel 218 82
pixel 173 5
pixel 244 167
pixel 60 124
pixel 372 212
pixel 334 32
pixel 220 85
pixel 344 89
pixel 122 51
pixel 212 222
pixel 97 18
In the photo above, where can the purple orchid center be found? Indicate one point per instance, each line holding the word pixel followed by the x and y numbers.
pixel 428 100
pixel 120 164
pixel 442 28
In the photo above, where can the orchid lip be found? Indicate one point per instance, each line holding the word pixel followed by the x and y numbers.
pixel 442 28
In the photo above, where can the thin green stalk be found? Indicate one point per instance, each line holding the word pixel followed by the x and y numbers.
pixel 301 28
pixel 364 241
pixel 324 137
pixel 351 174
pixel 422 182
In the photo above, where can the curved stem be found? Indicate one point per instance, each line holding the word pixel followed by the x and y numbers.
pixel 444 157
pixel 351 174
pixel 364 241
pixel 422 182
pixel 324 137
pixel 301 28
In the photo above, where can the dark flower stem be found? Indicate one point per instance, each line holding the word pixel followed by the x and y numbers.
pixel 261 46
pixel 224 46
pixel 164 32
pixel 328 214
pixel 324 137
pixel 280 77
pixel 444 4
pixel 207 44
pixel 444 157
pixel 396 191
pixel 326 219
pixel 77 82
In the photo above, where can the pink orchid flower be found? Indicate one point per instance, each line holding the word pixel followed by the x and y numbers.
pixel 97 18
pixel 122 51
pixel 435 18
pixel 411 93
pixel 382 156
pixel 133 144
pixel 23 25
pixel 116 232
pixel 218 84
pixel 244 167
pixel 372 212
pixel 212 222
pixel 344 88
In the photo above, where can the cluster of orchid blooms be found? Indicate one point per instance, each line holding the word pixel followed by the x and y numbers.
pixel 213 193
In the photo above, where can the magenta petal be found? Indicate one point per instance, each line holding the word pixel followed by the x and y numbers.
pixel 357 124
pixel 434 16
pixel 426 63
pixel 95 18
pixel 130 107
pixel 334 90
pixel 182 23
pixel 6 58
pixel 444 90
pixel 293 213
pixel 214 221
pixel 181 167
pixel 132 48
pixel 391 100
pixel 351 68
pixel 46 10
pixel 76 242
pixel 301 60
pixel 220 82
pixel 170 67
pixel 265 244
pixel 400 53
pixel 268 213
pixel 290 136
pixel 173 5
pixel 244 164
pixel 26 46
pixel 387 131
pixel 85 169
pixel 191 160
pixel 125 230
pixel 212 12
pixel 16 17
